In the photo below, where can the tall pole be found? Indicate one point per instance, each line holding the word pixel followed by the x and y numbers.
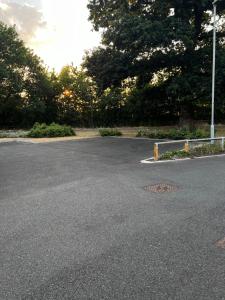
pixel 213 71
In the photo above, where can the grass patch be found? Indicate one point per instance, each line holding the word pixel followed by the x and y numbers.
pixel 203 150
pixel 175 134
pixel 52 130
pixel 109 132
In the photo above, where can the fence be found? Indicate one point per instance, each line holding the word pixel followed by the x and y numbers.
pixel 186 144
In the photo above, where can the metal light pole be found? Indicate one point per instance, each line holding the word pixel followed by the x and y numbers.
pixel 213 70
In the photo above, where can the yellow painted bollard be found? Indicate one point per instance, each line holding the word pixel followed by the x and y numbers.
pixel 186 147
pixel 156 152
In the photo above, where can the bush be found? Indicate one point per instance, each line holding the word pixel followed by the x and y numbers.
pixel 153 134
pixel 175 134
pixel 109 132
pixel 199 134
pixel 52 130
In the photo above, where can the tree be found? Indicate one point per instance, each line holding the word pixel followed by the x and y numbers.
pixel 77 101
pixel 144 38
pixel 26 89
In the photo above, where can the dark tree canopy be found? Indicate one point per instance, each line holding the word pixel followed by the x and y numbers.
pixel 154 65
pixel 159 42
pixel 26 90
pixel 77 99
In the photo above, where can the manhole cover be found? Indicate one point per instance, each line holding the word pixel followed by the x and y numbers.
pixel 221 244
pixel 161 188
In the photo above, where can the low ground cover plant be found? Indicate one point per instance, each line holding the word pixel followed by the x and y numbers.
pixel 109 132
pixel 175 134
pixel 174 155
pixel 13 133
pixel 52 130
pixel 208 149
pixel 202 150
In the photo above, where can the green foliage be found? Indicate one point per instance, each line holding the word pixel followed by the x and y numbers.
pixel 111 108
pixel 109 132
pixel 52 130
pixel 77 98
pixel 207 149
pixel 152 68
pixel 199 134
pixel 27 92
pixel 202 150
pixel 166 45
pixel 175 134
pixel 13 133
pixel 149 106
pixel 174 155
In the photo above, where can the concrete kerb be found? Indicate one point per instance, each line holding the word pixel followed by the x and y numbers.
pixel 152 161
pixel 16 140
pixel 138 138
pixel 43 140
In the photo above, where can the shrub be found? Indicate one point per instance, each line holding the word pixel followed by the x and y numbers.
pixel 109 132
pixel 52 130
pixel 199 134
pixel 175 134
pixel 153 134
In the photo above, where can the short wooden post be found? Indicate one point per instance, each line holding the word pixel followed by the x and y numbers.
pixel 156 151
pixel 186 146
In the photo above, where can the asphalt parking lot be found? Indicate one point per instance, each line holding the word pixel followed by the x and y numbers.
pixel 77 223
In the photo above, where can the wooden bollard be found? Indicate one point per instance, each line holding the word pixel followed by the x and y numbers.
pixel 156 152
pixel 186 147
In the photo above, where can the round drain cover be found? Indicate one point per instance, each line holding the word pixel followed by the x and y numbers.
pixel 161 188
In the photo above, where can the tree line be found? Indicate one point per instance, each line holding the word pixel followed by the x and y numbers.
pixel 29 93
pixel 153 67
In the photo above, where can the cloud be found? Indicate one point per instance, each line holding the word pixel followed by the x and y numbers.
pixel 27 18
pixel 67 34
pixel 62 38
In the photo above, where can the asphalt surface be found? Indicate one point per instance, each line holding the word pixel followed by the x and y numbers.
pixel 77 223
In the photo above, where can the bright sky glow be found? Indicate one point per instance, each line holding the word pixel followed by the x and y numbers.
pixel 58 31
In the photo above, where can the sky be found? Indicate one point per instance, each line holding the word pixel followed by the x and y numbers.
pixel 57 30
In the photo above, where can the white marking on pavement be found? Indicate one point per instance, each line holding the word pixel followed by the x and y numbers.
pixel 152 161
